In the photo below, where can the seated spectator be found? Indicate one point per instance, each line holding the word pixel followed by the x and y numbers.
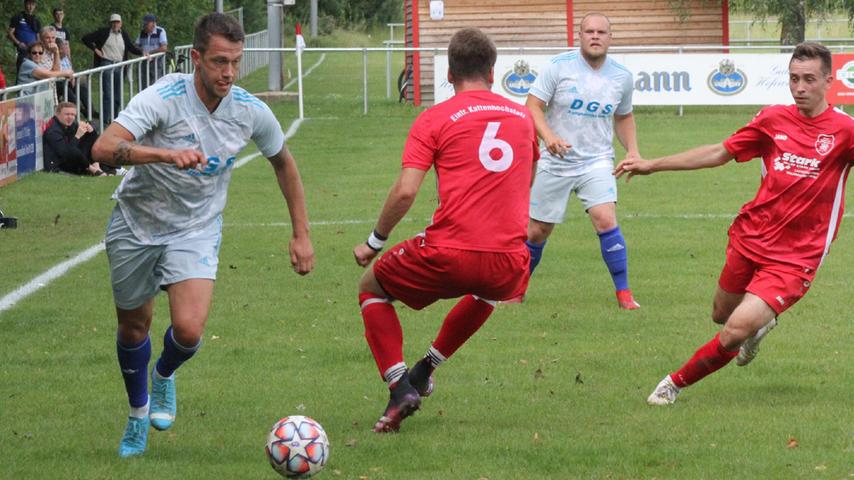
pixel 30 70
pixel 68 144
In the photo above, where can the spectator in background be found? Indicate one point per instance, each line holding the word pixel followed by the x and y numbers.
pixel 152 39
pixel 50 59
pixel 30 70
pixel 65 64
pixel 61 31
pixel 23 30
pixel 2 78
pixel 111 45
pixel 68 144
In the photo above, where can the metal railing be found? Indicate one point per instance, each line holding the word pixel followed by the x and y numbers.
pixel 132 78
pixel 675 49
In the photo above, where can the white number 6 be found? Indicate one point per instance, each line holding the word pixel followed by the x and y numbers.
pixel 489 143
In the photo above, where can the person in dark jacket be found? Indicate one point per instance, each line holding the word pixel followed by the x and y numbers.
pixel 111 45
pixel 23 30
pixel 68 144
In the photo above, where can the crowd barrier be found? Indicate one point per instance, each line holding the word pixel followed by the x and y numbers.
pixel 663 75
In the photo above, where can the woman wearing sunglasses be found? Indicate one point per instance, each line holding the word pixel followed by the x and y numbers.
pixel 30 70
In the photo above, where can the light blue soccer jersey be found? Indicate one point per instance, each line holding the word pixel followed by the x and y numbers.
pixel 159 200
pixel 581 106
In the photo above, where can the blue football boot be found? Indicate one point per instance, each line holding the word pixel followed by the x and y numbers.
pixel 163 402
pixel 135 437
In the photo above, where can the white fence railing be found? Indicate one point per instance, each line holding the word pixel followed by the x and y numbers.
pixel 133 76
pixel 680 49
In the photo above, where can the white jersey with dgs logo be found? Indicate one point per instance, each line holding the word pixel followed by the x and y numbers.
pixel 581 106
pixel 160 201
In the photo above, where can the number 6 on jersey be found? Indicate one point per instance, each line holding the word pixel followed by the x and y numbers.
pixel 488 143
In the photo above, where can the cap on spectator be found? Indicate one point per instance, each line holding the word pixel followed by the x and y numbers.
pixel 115 18
pixel 149 17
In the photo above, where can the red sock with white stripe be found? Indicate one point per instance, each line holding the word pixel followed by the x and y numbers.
pixel 384 335
pixel 461 323
pixel 708 359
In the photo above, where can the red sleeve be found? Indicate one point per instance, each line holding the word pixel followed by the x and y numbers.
pixel 750 141
pixel 421 146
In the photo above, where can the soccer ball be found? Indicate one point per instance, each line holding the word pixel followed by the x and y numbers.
pixel 297 447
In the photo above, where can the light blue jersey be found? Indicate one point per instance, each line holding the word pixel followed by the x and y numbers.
pixel 161 201
pixel 581 106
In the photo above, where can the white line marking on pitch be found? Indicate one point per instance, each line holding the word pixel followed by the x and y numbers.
pixel 8 301
pixel 307 72
pixel 42 280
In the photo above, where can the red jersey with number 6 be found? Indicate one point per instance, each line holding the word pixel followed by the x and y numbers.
pixel 483 147
pixel 805 162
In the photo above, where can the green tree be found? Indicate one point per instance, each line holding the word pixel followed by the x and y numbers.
pixel 792 15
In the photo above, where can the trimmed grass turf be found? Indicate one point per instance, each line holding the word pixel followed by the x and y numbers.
pixel 552 388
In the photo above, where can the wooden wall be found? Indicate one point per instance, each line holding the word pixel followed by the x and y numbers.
pixel 546 23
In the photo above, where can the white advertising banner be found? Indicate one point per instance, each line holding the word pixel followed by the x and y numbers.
pixel 660 79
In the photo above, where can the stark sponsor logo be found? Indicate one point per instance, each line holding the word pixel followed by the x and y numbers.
pixel 797 166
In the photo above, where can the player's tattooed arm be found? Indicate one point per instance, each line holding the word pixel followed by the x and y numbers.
pixel 121 156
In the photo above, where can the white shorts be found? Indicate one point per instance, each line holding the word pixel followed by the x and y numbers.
pixel 550 193
pixel 138 270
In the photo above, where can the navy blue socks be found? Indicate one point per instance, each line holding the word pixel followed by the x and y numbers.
pixel 133 360
pixel 613 247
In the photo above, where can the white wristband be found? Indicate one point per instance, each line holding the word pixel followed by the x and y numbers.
pixel 375 242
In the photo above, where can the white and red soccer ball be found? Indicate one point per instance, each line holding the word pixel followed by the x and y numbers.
pixel 297 447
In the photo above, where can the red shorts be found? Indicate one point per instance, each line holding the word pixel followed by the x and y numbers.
pixel 418 274
pixel 778 284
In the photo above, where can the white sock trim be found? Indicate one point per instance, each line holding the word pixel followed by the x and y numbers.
pixel 435 357
pixel 140 412
pixel 491 302
pixel 394 373
pixel 372 301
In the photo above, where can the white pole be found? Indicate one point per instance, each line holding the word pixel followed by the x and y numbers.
pixel 299 83
pixel 365 79
pixel 219 8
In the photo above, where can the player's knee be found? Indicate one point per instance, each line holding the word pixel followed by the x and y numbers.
pixel 719 316
pixel 538 232
pixel 131 333
pixel 188 335
pixel 734 334
pixel 720 312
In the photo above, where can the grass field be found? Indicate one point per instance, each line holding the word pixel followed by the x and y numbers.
pixel 553 388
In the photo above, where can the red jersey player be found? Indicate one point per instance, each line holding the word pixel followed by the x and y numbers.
pixel 779 239
pixel 483 148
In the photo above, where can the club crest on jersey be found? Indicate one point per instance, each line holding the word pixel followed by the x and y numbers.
pixel 824 144
pixel 726 79
pixel 519 80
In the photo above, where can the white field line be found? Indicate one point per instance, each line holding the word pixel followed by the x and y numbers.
pixel 306 72
pixel 42 280
pixel 34 285
pixel 322 223
pixel 8 301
